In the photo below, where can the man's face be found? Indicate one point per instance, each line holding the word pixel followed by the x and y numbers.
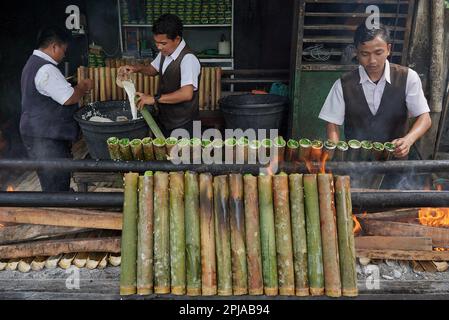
pixel 165 45
pixel 58 51
pixel 373 54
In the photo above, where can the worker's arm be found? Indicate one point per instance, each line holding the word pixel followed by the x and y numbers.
pixel 147 70
pixel 333 132
pixel 419 128
pixel 184 94
pixel 80 90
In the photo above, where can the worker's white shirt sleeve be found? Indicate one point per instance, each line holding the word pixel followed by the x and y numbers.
pixel 333 110
pixel 416 101
pixel 190 71
pixel 51 83
pixel 156 62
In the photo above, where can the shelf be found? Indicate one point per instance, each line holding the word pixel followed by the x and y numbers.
pixel 185 26
pixel 216 59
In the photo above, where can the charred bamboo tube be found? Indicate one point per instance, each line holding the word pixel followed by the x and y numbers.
pixel 366 150
pixel 252 226
pixel 242 150
pixel 148 150
pixel 389 150
pixel 137 149
pixel 145 235
pixel 267 236
pixel 332 281
pixel 378 151
pixel 230 150
pixel 161 234
pixel 202 88
pixel 292 151
pixel 346 236
pixel 113 84
pixel 354 150
pixel 114 148
pixel 328 150
pixel 341 151
pixel 193 233
pixel 280 144
pixel 305 150
pixel 109 83
pixel 170 143
pixel 299 234
pixel 128 271
pixel 177 234
pixel 160 151
pixel 207 89
pixel 253 151
pixel 208 261
pixel 146 84
pixel 316 152
pixel 238 248
pixel 218 84
pixel 314 246
pixel 284 244
pixel 125 150
pixel 222 236
pixel 195 150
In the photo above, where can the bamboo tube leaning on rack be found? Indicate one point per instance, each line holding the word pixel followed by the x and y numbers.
pixel 305 150
pixel 316 151
pixel 329 150
pixel 125 150
pixel 341 151
pixel 292 151
pixel 148 150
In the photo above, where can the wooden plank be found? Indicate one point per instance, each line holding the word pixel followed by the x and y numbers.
pixel 394 243
pixel 403 255
pixel 391 215
pixel 22 233
pixel 63 217
pixel 55 247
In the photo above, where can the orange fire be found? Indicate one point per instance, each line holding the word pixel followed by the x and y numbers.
pixel 323 163
pixel 310 167
pixel 357 226
pixel 434 217
pixel 10 189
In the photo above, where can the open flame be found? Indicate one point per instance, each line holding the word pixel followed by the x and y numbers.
pixel 10 189
pixel 323 162
pixel 434 217
pixel 357 226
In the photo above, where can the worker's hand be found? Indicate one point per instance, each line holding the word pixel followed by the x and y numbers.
pixel 143 99
pixel 130 69
pixel 403 146
pixel 86 84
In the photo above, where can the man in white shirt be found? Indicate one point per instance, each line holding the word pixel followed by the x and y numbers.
pixel 375 101
pixel 49 102
pixel 179 70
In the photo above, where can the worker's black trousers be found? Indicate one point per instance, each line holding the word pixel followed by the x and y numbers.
pixel 42 149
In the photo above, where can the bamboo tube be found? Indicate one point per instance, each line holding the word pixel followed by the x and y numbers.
pixel 66 261
pixel 207 89
pixel 24 265
pixel 314 246
pixel 299 234
pixel 156 84
pixel 12 265
pixel 114 148
pixel 265 151
pixel 38 263
pixel 238 248
pixel 102 72
pixel 284 244
pixel 120 92
pixel 366 151
pixel 184 150
pixel 137 149
pixel 354 150
pixel 280 144
pixel 202 88
pixel 145 235
pixel 316 151
pixel 218 84
pixel 332 281
pixel 193 234
pixel 115 259
pixel 208 260
pixel 378 151
pixel 53 261
pixel 267 236
pixel 305 150
pixel 242 150
pixel 230 152
pixel 114 96
pixel 252 226
pixel 218 145
pixel 125 150
pixel 170 143
pixel 329 150
pixel 292 151
pixel 146 85
pixel 160 151
pixel 152 123
pixel 346 237
pixel 341 151
pixel 128 270
pixel 152 86
pixel 161 234
pixel 389 150
pixel 108 83
pixel 253 151
pixel 213 90
pixel 80 77
pixel 140 82
pixel 195 150
pixel 177 234
pixel 148 151
pixel 223 236
pixel 92 77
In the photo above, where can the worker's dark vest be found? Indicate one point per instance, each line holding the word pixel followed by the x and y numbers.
pixel 173 116
pixel 42 116
pixel 390 121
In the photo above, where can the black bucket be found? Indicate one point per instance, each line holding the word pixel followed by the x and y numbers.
pixel 251 111
pixel 96 133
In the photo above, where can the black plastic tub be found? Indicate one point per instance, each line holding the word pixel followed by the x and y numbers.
pixel 250 111
pixel 96 133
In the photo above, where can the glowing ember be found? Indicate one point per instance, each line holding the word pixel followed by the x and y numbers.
pixel 323 163
pixel 434 217
pixel 10 189
pixel 357 227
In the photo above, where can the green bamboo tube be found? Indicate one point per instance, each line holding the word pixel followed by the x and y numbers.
pixel 366 151
pixel 389 150
pixel 137 149
pixel 125 150
pixel 196 145
pixel 284 244
pixel 152 124
pixel 299 234
pixel 114 148
pixel 218 145
pixel 280 144
pixel 148 151
pixel 314 246
pixel 305 149
pixel 292 151
pixel 354 150
pixel 193 242
pixel 230 152
pixel 329 150
pixel 238 248
pixel 341 151
pixel 161 234
pixel 253 151
pixel 222 236
pixel 170 143
pixel 267 236
pixel 346 236
pixel 177 234
pixel 332 281
pixel 242 150
pixel 378 151
pixel 145 235
pixel 207 221
pixel 265 151
pixel 128 272
pixel 252 226
pixel 316 151
pixel 160 151
pixel 184 150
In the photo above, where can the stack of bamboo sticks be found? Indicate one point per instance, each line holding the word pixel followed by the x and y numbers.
pixel 210 88
pixel 190 234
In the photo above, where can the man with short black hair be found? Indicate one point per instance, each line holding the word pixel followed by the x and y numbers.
pixel 375 101
pixel 179 70
pixel 49 102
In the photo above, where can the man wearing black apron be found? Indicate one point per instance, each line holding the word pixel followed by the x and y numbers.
pixel 49 102
pixel 179 70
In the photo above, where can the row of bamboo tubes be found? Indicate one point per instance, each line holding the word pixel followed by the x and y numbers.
pixel 210 88
pixel 190 234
